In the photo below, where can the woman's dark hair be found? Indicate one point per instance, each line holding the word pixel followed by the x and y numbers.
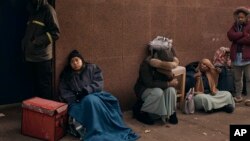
pixel 67 71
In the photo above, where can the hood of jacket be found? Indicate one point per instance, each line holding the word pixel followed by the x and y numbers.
pixel 242 9
pixel 35 5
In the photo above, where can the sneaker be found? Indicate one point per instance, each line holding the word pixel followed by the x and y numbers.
pixel 228 108
pixel 238 99
pixel 247 102
pixel 173 119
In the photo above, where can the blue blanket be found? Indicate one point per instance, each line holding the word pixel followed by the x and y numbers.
pixel 100 114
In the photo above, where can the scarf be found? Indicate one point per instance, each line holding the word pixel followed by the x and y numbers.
pixel 221 58
pixel 212 75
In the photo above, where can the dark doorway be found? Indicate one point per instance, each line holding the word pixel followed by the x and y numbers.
pixel 15 84
pixel 14 79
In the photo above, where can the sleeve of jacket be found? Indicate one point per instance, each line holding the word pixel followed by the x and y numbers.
pixel 52 29
pixel 66 94
pixel 233 35
pixel 97 82
pixel 147 78
pixel 245 40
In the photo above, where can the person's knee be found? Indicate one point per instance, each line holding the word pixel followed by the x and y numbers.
pixel 157 92
pixel 200 98
pixel 200 102
pixel 171 91
pixel 226 93
pixel 90 98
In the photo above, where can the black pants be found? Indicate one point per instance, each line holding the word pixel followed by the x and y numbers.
pixel 41 73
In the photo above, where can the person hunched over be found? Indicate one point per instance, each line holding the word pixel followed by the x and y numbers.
pixel 156 95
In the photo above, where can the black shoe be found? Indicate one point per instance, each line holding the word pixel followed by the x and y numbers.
pixel 173 119
pixel 211 111
pixel 144 118
pixel 137 108
pixel 228 108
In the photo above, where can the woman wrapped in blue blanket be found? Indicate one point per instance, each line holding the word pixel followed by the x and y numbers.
pixel 81 86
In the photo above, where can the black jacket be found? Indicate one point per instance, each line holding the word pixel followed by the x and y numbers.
pixel 149 78
pixel 41 32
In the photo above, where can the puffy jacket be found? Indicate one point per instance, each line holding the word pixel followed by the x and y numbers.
pixel 89 80
pixel 240 38
pixel 41 32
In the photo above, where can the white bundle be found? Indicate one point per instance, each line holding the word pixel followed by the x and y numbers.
pixel 160 43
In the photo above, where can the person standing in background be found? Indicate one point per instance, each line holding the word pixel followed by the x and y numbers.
pixel 41 33
pixel 239 35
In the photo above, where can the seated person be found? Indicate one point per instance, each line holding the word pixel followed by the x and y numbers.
pixel 223 62
pixel 208 97
pixel 165 51
pixel 156 94
pixel 81 86
pixel 222 57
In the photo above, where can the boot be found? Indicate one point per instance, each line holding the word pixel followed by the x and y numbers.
pixel 173 119
pixel 145 118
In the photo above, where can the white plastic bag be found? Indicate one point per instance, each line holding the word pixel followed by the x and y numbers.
pixel 160 43
pixel 189 107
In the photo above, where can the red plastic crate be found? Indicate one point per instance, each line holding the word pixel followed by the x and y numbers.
pixel 44 119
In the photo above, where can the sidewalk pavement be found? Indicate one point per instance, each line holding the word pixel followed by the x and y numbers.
pixel 195 127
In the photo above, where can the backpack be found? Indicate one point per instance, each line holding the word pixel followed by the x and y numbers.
pixel 189 107
pixel 190 71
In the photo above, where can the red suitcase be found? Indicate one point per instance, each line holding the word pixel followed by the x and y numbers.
pixel 44 119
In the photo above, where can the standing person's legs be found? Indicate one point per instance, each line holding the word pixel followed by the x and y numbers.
pixel 31 67
pixel 247 76
pixel 44 79
pixel 238 82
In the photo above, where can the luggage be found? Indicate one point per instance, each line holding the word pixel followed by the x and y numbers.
pixel 226 80
pixel 44 119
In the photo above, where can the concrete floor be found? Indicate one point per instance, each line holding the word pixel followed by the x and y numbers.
pixel 199 126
